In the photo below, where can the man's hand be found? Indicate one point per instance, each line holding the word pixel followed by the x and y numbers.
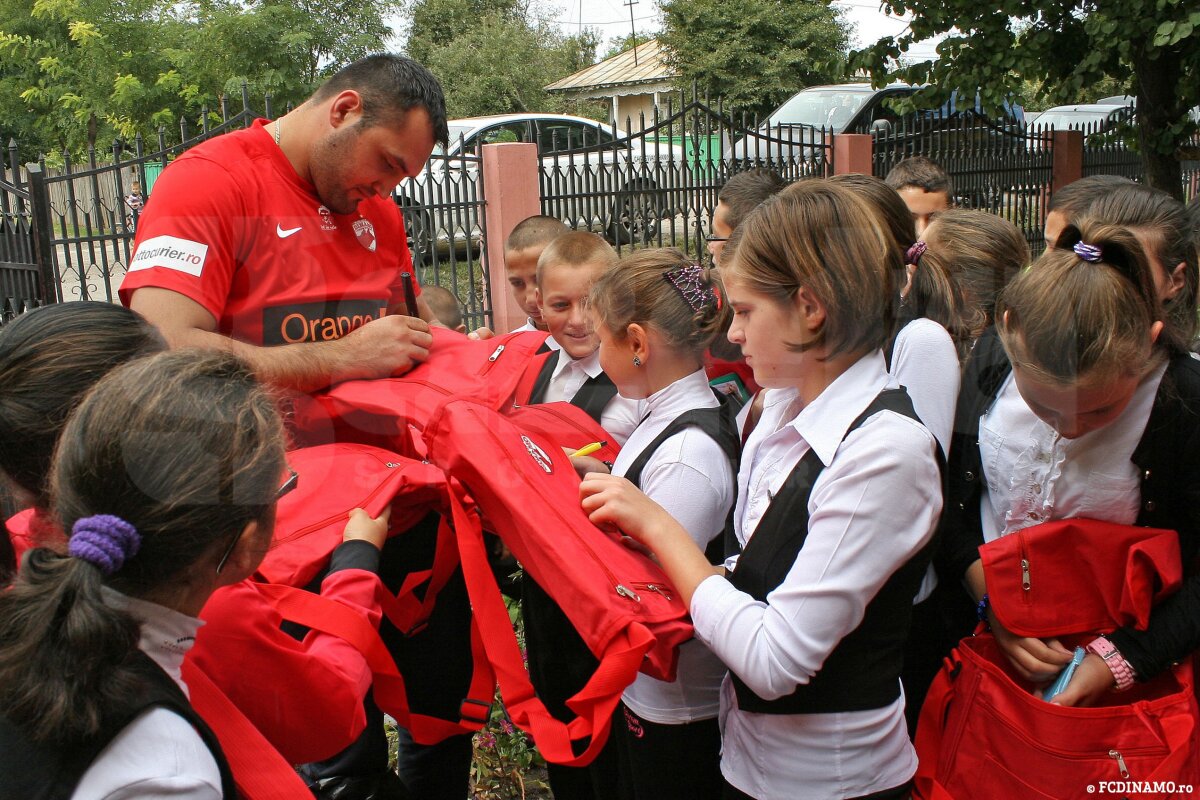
pixel 381 348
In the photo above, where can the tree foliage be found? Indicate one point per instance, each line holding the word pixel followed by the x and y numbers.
pixel 753 53
pixel 494 57
pixel 1067 46
pixel 77 73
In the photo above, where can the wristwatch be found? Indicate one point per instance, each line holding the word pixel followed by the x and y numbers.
pixel 1122 672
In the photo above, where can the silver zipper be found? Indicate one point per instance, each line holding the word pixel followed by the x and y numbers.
pixel 1025 574
pixel 496 353
pixel 1116 754
pixel 628 593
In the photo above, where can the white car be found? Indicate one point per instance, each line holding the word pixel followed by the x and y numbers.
pixel 591 176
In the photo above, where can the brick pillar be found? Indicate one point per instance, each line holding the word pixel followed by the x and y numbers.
pixel 510 181
pixel 1067 152
pixel 852 152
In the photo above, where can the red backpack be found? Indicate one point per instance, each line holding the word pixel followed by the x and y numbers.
pixel 392 412
pixel 618 600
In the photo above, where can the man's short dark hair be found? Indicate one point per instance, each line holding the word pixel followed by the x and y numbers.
pixel 922 173
pixel 745 191
pixel 389 86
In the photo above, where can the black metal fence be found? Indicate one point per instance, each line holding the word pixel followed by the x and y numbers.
pixel 1001 167
pixel 445 216
pixel 658 186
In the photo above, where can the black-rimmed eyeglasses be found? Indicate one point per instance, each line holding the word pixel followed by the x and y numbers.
pixel 293 480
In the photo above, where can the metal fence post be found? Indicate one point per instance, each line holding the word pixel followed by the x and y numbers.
pixel 43 253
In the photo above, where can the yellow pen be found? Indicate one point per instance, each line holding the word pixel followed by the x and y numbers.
pixel 588 449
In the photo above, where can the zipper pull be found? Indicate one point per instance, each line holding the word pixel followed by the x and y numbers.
pixel 393 464
pixel 1025 574
pixel 496 353
pixel 1116 754
pixel 654 587
pixel 628 593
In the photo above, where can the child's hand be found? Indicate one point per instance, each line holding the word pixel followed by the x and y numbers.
pixel 1034 659
pixel 614 502
pixel 585 464
pixel 481 333
pixel 1091 680
pixel 363 528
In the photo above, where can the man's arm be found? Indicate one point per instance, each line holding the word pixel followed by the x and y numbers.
pixel 379 349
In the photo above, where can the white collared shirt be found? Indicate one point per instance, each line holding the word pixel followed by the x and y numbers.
pixel 551 342
pixel 159 754
pixel 1034 475
pixel 873 507
pixel 619 417
pixel 925 362
pixel 690 476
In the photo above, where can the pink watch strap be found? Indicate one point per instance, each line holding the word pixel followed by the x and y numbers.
pixel 1122 672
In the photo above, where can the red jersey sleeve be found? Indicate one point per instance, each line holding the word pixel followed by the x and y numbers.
pixel 188 235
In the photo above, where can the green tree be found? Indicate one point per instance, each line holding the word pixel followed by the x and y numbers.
pixel 1068 46
pixel 619 46
pixel 492 57
pixel 75 73
pixel 753 53
pixel 81 69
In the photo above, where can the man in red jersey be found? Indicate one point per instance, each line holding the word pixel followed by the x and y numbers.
pixel 282 243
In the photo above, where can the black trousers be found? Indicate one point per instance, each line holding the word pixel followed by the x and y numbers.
pixel 667 762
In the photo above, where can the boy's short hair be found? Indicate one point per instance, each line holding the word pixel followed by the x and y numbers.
pixel 1076 198
pixel 444 304
pixel 535 231
pixel 922 173
pixel 575 249
pixel 746 191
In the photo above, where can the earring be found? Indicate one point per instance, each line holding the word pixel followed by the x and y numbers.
pixel 637 361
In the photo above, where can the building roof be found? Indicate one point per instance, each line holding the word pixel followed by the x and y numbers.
pixel 620 70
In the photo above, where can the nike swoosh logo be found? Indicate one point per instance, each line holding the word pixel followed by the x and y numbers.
pixel 283 234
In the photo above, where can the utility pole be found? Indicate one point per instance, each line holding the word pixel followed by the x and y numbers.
pixel 632 29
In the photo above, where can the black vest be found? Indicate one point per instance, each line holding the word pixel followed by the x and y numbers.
pixel 718 424
pixel 31 771
pixel 863 671
pixel 592 397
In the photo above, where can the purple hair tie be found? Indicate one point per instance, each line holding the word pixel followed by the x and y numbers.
pixel 1088 252
pixel 686 280
pixel 915 252
pixel 104 541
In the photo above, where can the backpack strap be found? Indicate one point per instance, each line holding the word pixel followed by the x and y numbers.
pixel 593 705
pixel 258 769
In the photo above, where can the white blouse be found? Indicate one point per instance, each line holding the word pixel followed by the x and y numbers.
pixel 690 476
pixel 159 754
pixel 619 417
pixel 1034 475
pixel 873 507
